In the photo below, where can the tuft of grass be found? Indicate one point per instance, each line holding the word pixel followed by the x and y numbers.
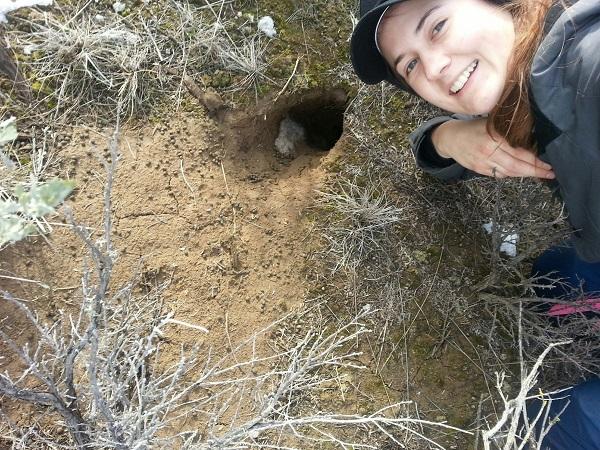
pixel 361 217
pixel 91 61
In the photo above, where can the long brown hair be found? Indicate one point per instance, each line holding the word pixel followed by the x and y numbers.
pixel 512 117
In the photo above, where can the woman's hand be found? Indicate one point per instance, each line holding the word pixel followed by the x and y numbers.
pixel 469 144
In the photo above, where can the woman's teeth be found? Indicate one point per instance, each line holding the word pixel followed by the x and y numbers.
pixel 462 79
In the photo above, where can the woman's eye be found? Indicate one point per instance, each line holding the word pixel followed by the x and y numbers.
pixel 438 27
pixel 410 66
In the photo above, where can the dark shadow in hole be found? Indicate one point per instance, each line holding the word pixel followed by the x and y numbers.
pixel 323 122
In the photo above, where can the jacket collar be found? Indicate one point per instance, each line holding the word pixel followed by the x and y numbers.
pixel 555 12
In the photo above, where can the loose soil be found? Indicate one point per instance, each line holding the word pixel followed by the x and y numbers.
pixel 225 223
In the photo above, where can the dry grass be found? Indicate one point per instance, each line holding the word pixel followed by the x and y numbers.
pixel 361 218
pixel 85 58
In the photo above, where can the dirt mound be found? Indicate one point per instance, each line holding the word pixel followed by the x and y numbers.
pixel 212 207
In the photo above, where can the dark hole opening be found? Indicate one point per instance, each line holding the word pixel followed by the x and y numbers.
pixel 323 122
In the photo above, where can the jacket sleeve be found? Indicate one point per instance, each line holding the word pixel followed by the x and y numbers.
pixel 428 159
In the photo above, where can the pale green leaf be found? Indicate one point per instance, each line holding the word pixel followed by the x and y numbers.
pixel 14 228
pixel 8 131
pixel 8 208
pixel 43 198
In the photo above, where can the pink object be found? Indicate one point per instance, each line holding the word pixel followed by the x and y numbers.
pixel 587 305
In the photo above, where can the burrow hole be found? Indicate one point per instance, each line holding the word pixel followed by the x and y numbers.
pixel 313 122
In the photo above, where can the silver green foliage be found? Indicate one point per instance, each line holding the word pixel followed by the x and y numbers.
pixel 8 131
pixel 22 208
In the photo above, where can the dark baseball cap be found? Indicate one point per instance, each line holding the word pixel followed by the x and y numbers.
pixel 367 61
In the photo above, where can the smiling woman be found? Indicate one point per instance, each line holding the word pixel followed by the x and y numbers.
pixel 532 69
pixel 455 42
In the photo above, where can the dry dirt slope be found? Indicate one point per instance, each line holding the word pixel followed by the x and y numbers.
pixel 226 225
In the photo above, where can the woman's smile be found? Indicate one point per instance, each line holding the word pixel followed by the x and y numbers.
pixel 463 78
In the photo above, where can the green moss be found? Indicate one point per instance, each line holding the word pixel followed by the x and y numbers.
pixel 319 50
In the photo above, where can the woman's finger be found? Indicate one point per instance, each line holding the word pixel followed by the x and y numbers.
pixel 515 167
pixel 526 156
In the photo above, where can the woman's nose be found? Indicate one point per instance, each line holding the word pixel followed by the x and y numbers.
pixel 435 63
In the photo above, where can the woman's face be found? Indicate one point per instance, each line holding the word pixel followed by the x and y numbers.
pixel 453 53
